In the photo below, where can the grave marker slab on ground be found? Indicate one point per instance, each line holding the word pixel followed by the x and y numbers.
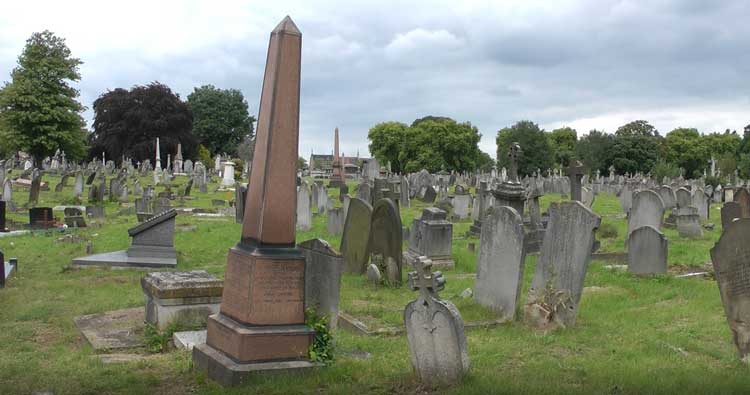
pixel 183 298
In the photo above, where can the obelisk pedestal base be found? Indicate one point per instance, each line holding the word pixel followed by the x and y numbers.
pixel 228 372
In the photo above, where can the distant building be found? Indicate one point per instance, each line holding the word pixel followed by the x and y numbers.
pixel 321 166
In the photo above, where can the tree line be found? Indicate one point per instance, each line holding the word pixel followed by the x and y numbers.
pixel 40 112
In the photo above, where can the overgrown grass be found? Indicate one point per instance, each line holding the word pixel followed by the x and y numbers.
pixel 633 335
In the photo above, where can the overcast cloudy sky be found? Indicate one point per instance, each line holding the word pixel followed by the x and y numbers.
pixel 586 64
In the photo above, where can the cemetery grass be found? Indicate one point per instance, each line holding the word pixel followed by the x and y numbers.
pixel 633 335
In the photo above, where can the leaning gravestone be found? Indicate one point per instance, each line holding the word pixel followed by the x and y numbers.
pixel 335 220
pixel 386 236
pixel 152 246
pixel 500 263
pixel 731 261
pixel 561 268
pixel 434 330
pixel 647 210
pixel 730 211
pixel 356 235
pixel 323 268
pixel 667 196
pixel 647 251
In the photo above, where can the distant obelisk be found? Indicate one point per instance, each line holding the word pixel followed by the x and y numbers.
pixel 260 326
pixel 157 165
pixel 337 178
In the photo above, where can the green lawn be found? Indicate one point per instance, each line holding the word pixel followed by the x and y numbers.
pixel 633 335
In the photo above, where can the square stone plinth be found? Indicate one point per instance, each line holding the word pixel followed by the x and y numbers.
pixel 227 372
pixel 185 298
pixel 264 289
pixel 244 343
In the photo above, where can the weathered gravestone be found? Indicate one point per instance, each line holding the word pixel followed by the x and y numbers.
pixel 304 208
pixel 36 185
pixel 500 263
pixel 152 246
pixel 323 269
pixel 742 197
pixel 431 236
pixel 364 192
pixel 461 206
pixel 647 251
pixel 386 238
pixel 429 194
pixel 647 210
pixel 434 330
pixel 143 210
pixel 730 211
pixel 2 216
pixel 404 200
pixel 561 268
pixel 74 217
pixel 7 269
pixel 240 196
pixel 181 298
pixel 587 197
pixel 667 196
pixel 684 198
pixel 731 261
pixel 700 202
pixel 335 220
pixel 356 235
pixel 689 225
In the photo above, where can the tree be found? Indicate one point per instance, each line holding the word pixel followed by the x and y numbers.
pixel 386 142
pixel 220 118
pixel 440 143
pixel 127 123
pixel 301 163
pixel 485 163
pixel 637 128
pixel 39 109
pixel 593 149
pixel 537 149
pixel 564 143
pixel 633 153
pixel 685 148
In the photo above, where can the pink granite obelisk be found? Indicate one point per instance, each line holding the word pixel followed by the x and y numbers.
pixel 260 326
pixel 337 178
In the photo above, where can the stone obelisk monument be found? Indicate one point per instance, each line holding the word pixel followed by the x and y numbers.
pixel 260 326
pixel 337 178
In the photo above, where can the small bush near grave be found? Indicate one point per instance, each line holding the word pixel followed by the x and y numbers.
pixel 322 348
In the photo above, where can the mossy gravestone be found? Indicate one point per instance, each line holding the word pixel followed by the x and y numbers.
pixel 731 260
pixel 356 236
pixel 385 235
pixel 434 330
pixel 647 251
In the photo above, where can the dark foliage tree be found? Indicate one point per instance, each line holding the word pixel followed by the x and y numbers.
pixel 39 110
pixel 538 152
pixel 686 149
pixel 127 123
pixel 592 149
pixel 637 128
pixel 220 118
pixel 387 140
pixel 633 153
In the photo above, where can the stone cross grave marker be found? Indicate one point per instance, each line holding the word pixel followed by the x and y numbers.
pixel 434 330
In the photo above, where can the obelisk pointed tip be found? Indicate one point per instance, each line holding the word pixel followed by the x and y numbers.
pixel 287 26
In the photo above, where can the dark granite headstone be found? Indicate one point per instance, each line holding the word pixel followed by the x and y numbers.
pixel 41 218
pixel 385 236
pixel 730 211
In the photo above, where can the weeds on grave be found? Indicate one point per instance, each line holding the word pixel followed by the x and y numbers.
pixel 158 341
pixel 607 231
pixel 322 348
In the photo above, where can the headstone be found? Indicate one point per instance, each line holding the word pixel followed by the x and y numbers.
pixel 78 185
pixel 335 220
pixel 668 197
pixel 647 251
pixel 356 235
pixel 575 173
pixel 386 237
pixel 364 192
pixel 41 218
pixel 323 269
pixel 730 257
pixel 730 211
pixel 689 225
pixel 461 206
pixel 240 196
pixel 500 264
pixel 434 330
pixel 152 246
pixel 228 175
pixel 304 209
pixel 742 197
pixel 647 210
pixel 74 217
pixel 260 326
pixel 684 198
pixel 700 201
pixel 404 200
pixel 557 284
pixel 3 205
pixel 181 298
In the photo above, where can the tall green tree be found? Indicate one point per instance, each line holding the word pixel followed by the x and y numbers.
pixel 685 148
pixel 593 149
pixel 39 109
pixel 127 123
pixel 633 153
pixel 637 128
pixel 564 142
pixel 538 152
pixel 387 140
pixel 220 118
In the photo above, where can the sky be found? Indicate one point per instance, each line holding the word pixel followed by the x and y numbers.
pixel 589 64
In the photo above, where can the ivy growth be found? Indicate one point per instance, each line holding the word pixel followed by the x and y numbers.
pixel 322 348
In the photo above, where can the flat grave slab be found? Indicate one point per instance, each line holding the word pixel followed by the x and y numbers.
pixel 121 259
pixel 112 330
pixel 188 339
